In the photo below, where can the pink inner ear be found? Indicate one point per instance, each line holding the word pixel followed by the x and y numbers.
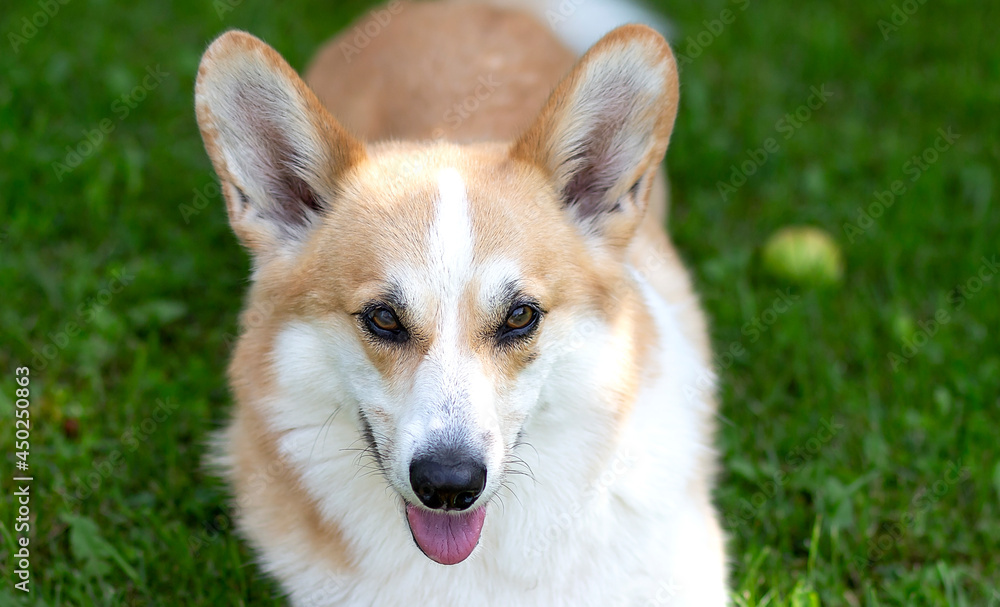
pixel 606 125
pixel 601 161
pixel 276 163
pixel 270 139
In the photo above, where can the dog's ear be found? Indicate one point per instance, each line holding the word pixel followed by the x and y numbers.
pixel 603 132
pixel 277 151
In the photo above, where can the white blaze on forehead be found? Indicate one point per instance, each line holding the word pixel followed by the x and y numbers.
pixel 450 252
pixel 451 398
pixel 433 282
pixel 451 239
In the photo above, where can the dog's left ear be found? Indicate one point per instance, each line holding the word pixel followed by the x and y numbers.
pixel 604 131
pixel 279 154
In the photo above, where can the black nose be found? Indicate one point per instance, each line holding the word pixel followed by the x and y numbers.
pixel 447 482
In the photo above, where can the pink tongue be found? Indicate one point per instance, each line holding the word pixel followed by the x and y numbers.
pixel 444 537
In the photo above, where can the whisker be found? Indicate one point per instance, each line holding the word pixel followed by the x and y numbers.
pixel 520 441
pixel 328 420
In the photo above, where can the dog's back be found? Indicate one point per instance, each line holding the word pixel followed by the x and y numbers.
pixel 458 71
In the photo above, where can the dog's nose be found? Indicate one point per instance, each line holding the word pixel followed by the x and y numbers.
pixel 447 482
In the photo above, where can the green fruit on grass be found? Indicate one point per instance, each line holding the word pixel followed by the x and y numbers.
pixel 804 256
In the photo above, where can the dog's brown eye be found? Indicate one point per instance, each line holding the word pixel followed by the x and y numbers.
pixel 520 317
pixel 384 319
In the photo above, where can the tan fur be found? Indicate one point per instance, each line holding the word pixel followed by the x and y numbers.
pixel 271 501
pixel 232 60
pixel 358 243
pixel 386 91
pixel 342 265
pixel 401 87
pixel 378 96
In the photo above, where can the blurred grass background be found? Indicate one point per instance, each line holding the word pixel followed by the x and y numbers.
pixel 844 481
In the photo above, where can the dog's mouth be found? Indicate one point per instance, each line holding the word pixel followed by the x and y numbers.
pixel 446 537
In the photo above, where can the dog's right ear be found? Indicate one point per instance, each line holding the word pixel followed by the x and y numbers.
pixel 277 151
pixel 603 132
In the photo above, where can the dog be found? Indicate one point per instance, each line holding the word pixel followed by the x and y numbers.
pixel 471 369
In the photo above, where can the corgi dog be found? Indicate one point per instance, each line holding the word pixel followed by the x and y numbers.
pixel 471 370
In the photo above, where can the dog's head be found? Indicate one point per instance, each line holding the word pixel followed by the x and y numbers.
pixel 434 290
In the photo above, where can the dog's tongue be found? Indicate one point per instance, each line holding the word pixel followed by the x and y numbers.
pixel 446 538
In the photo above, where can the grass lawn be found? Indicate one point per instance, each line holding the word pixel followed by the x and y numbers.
pixel 861 464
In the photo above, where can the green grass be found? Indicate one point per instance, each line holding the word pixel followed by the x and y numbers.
pixel 893 502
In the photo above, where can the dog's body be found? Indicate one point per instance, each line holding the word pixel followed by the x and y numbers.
pixel 470 307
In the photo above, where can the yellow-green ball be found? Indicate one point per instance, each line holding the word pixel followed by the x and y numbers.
pixel 804 256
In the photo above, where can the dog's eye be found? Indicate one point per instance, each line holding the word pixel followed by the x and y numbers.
pixel 384 319
pixel 520 317
pixel 384 323
pixel 520 322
